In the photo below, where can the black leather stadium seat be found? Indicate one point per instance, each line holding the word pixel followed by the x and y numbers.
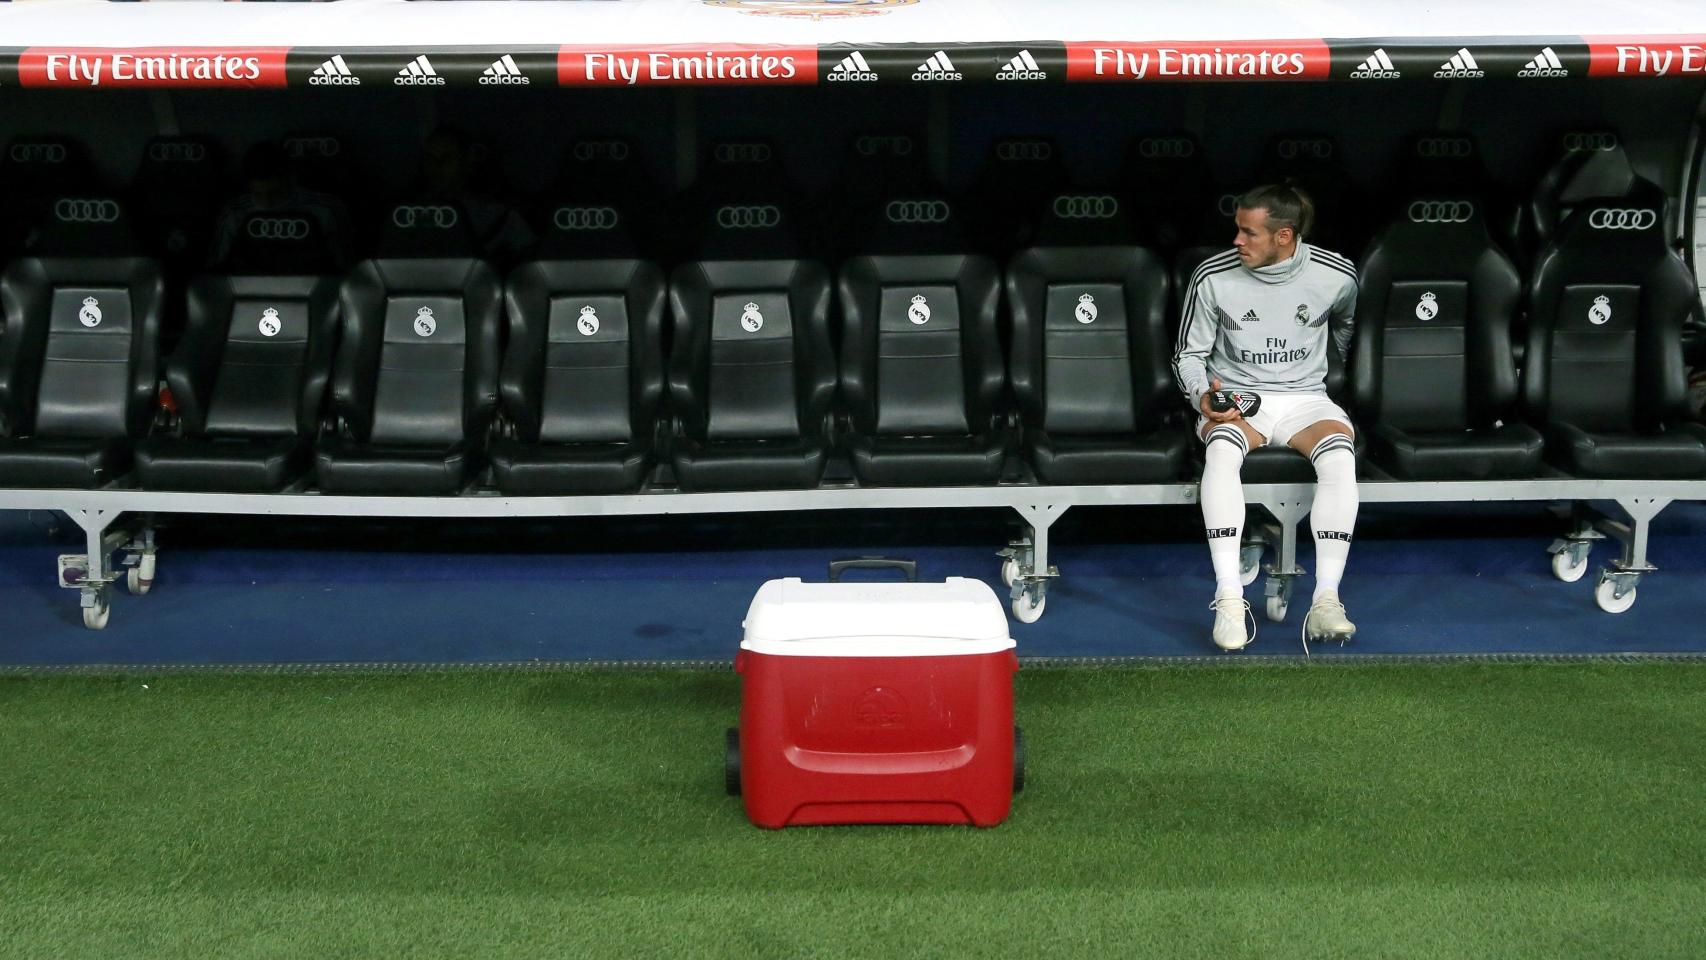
pixel 1449 163
pixel 1589 165
pixel 1435 381
pixel 1090 365
pixel 751 373
pixel 1604 374
pixel 249 381
pixel 921 369
pixel 415 384
pixel 582 378
pixel 78 368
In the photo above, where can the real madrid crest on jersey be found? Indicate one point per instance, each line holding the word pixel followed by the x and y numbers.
pixel 919 312
pixel 425 325
pixel 1600 312
pixel 811 9
pixel 750 319
pixel 90 315
pixel 588 322
pixel 1086 309
pixel 1303 314
pixel 270 324
pixel 1427 307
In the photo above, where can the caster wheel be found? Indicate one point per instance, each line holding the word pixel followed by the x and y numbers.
pixel 1277 607
pixel 1606 596
pixel 140 578
pixel 1009 570
pixel 731 761
pixel 1018 760
pixel 1028 607
pixel 95 618
pixel 1567 568
pixel 1250 565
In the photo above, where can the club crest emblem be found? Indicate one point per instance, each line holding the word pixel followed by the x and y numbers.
pixel 1600 312
pixel 919 312
pixel 90 315
pixel 1086 309
pixel 750 319
pixel 425 325
pixel 270 324
pixel 588 322
pixel 1303 314
pixel 1427 307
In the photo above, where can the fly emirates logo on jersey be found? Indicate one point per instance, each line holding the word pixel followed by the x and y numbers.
pixel 588 66
pixel 1646 56
pixel 1241 60
pixel 152 67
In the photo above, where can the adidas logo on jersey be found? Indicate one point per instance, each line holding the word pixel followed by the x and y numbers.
pixel 1545 65
pixel 419 73
pixel 1250 317
pixel 504 71
pixel 1378 66
pixel 938 67
pixel 852 68
pixel 1022 67
pixel 1461 66
pixel 333 73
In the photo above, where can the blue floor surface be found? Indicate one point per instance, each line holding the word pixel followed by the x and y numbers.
pixel 1469 579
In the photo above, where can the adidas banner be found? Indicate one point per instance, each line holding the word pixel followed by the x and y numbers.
pixel 1540 59
pixel 948 63
pixel 425 68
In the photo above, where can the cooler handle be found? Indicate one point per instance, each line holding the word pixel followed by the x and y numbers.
pixel 909 567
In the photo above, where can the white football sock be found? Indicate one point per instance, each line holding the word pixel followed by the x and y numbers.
pixel 1334 513
pixel 1222 496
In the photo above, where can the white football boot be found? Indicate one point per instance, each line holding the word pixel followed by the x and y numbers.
pixel 1229 616
pixel 1327 621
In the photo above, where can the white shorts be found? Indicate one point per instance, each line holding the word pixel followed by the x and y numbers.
pixel 1283 414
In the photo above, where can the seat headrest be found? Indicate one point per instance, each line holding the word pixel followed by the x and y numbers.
pixel 1594 174
pixel 426 228
pixel 605 167
pixel 586 225
pixel 1287 151
pixel 917 221
pixel 1084 217
pixel 84 225
pixel 1441 160
pixel 744 226
pixel 192 160
pixel 282 242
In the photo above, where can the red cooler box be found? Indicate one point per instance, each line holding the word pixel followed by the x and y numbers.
pixel 876 703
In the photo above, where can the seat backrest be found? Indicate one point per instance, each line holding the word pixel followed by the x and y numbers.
pixel 585 356
pixel 1449 163
pixel 418 360
pixel 1085 217
pixel 1090 339
pixel 85 225
pixel 602 206
pixel 1172 193
pixel 920 354
pixel 256 355
pixel 429 228
pixel 78 359
pixel 1018 175
pixel 176 192
pixel 1435 305
pixel 743 207
pixel 1587 164
pixel 751 358
pixel 1607 301
pixel 284 242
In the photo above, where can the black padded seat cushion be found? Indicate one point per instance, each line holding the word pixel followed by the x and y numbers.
pixel 41 462
pixel 1504 452
pixel 1675 454
pixel 585 468
pixel 1159 457
pixel 1270 464
pixel 346 467
pixel 250 465
pixel 927 461
pixel 748 464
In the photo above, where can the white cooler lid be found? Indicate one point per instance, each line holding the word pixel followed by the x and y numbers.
pixel 957 617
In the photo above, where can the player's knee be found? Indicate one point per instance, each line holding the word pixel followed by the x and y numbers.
pixel 1334 458
pixel 1227 445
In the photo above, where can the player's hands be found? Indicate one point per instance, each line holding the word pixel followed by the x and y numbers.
pixel 1213 415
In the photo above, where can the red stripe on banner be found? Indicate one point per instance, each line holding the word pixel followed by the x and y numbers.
pixel 1200 60
pixel 152 67
pixel 1673 56
pixel 685 65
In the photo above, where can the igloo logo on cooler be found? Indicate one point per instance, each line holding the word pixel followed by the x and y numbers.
pixel 588 322
pixel 750 319
pixel 425 325
pixel 1085 312
pixel 919 312
pixel 90 315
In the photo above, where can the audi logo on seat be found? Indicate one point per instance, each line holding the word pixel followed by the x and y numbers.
pixel 1441 211
pixel 743 153
pixel 1166 148
pixel 918 211
pixel 1607 218
pixel 1086 208
pixel 601 150
pixel 585 218
pixel 278 228
pixel 438 218
pixel 177 152
pixel 38 153
pixel 1305 148
pixel 748 218
pixel 298 147
pixel 885 146
pixel 1586 141
pixel 72 210
pixel 1444 148
pixel 1028 151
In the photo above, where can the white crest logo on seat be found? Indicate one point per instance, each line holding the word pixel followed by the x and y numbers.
pixel 425 325
pixel 750 319
pixel 588 322
pixel 270 324
pixel 1427 308
pixel 919 312
pixel 90 315
pixel 1600 312
pixel 1086 309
